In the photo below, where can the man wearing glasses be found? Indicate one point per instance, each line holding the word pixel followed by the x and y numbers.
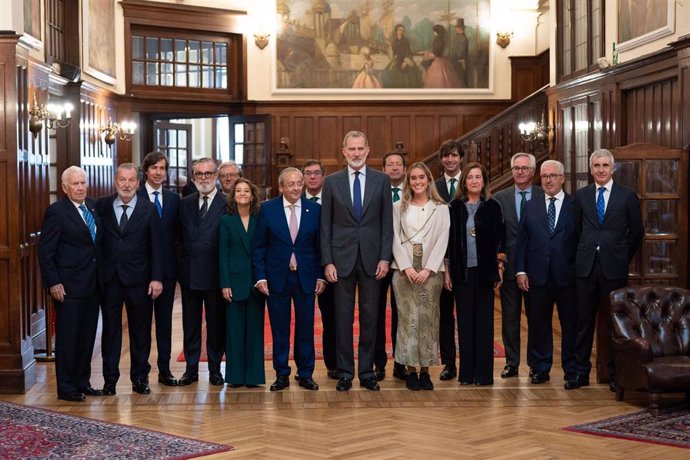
pixel 228 173
pixel 545 267
pixel 200 214
pixel 513 202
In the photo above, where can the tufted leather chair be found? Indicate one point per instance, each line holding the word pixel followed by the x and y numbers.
pixel 651 341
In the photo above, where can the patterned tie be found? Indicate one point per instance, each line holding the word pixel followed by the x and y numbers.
pixel 314 198
pixel 551 214
pixel 396 194
pixel 357 197
pixel 523 203
pixel 453 180
pixel 157 202
pixel 601 205
pixel 204 208
pixel 90 222
pixel 123 219
pixel 293 233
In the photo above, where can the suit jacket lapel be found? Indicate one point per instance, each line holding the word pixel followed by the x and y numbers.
pixel 371 183
pixel 236 221
pixel 136 216
pixel 512 210
pixel 565 214
pixel 614 196
pixel 76 217
pixel 343 186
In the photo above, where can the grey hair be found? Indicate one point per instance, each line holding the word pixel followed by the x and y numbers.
pixel 287 171
pixel 227 164
pixel 67 173
pixel 601 153
pixel 557 164
pixel 204 160
pixel 532 160
pixel 352 134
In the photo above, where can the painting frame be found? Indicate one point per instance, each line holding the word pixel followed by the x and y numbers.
pixel 33 28
pixel 479 34
pixel 634 33
pixel 98 47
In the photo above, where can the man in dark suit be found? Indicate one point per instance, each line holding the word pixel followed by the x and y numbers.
pixel 228 173
pixel 287 269
pixel 356 251
pixel 68 258
pixel 610 229
pixel 545 267
pixel 394 166
pixel 313 172
pixel 451 154
pixel 513 202
pixel 131 272
pixel 167 203
pixel 200 215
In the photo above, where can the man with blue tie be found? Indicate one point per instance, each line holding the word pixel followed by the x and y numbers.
pixel 513 202
pixel 287 269
pixel 545 267
pixel 67 256
pixel 609 222
pixel 167 203
pixel 356 251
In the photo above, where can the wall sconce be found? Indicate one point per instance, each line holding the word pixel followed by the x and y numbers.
pixel 535 132
pixel 261 40
pixel 112 131
pixel 503 38
pixel 54 116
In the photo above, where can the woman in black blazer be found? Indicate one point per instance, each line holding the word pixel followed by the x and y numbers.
pixel 475 268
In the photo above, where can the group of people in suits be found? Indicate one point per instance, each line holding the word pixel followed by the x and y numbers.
pixel 440 245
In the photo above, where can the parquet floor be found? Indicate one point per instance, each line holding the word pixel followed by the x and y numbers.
pixel 511 420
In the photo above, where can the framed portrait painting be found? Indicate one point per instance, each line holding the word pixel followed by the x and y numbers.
pixel 32 23
pixel 643 21
pixel 369 46
pixel 98 39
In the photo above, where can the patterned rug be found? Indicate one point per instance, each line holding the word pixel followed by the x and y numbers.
pixel 31 433
pixel 670 428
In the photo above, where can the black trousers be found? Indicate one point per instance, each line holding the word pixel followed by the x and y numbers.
pixel 475 299
pixel 592 291
pixel 194 304
pixel 380 354
pixel 511 315
pixel 327 308
pixel 139 315
pixel 163 309
pixel 446 336
pixel 76 321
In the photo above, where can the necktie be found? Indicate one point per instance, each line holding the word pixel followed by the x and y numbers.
pixel 523 202
pixel 293 233
pixel 204 208
pixel 314 198
pixel 157 202
pixel 357 197
pixel 601 205
pixel 452 191
pixel 90 222
pixel 551 214
pixel 396 194
pixel 123 218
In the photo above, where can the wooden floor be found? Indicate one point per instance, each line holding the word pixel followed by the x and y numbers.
pixel 511 420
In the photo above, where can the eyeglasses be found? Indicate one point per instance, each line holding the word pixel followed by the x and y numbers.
pixel 313 173
pixel 546 177
pixel 229 176
pixel 521 168
pixel 204 175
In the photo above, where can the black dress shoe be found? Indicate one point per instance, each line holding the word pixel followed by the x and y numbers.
pixel 216 379
pixel 412 382
pixel 568 376
pixel 509 371
pixel 399 371
pixel 109 389
pixel 90 391
pixel 425 381
pixel 188 379
pixel 74 396
pixel 333 374
pixel 370 384
pixel 281 383
pixel 308 383
pixel 141 387
pixel 379 374
pixel 612 386
pixel 539 377
pixel 344 384
pixel 579 381
pixel 448 373
pixel 235 385
pixel 167 379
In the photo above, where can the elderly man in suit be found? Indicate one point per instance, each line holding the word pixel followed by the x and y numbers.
pixel 451 153
pixel 228 173
pixel 68 257
pixel 287 269
pixel 200 215
pixel 545 267
pixel 131 272
pixel 513 202
pixel 167 203
pixel 356 251
pixel 610 229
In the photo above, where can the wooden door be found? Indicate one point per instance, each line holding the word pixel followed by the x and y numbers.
pixel 250 148
pixel 174 140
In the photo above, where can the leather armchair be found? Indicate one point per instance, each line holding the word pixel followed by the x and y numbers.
pixel 651 341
